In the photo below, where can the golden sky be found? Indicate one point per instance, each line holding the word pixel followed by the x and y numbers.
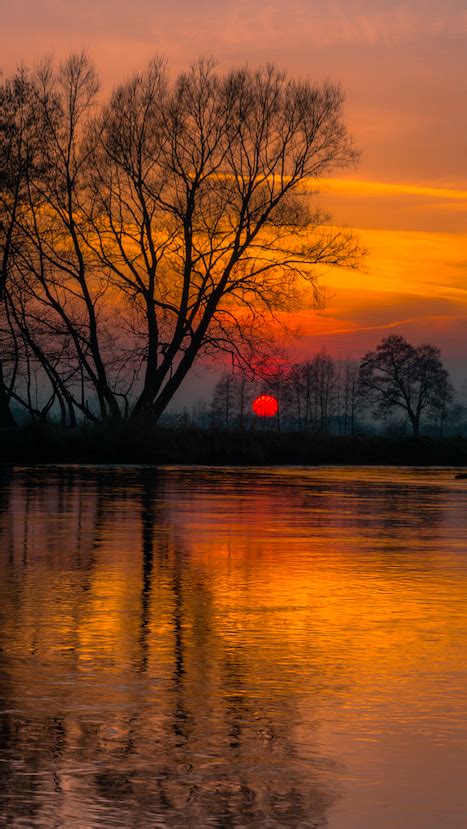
pixel 414 280
pixel 403 66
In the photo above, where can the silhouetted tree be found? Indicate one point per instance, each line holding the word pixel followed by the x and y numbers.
pixel 349 397
pixel 399 376
pixel 310 392
pixel 221 404
pixel 171 222
pixel 199 213
pixel 231 399
pixel 18 155
pixel 324 390
pixel 65 291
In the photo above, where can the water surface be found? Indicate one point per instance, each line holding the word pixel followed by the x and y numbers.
pixel 233 648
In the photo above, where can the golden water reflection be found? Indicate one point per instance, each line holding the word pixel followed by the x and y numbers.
pixel 238 647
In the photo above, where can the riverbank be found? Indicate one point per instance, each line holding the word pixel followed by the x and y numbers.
pixel 127 444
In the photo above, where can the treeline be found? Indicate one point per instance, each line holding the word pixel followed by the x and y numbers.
pixel 313 396
pixel 396 388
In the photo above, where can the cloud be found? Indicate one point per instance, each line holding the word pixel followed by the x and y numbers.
pixel 412 283
pixel 438 319
pixel 357 187
pixel 323 22
pixel 403 64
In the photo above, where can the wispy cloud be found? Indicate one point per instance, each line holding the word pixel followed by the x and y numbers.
pixel 422 320
pixel 322 22
pixel 357 187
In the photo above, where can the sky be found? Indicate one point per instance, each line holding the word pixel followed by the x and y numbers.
pixel 403 66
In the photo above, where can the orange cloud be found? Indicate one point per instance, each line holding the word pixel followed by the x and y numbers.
pixel 359 188
pixel 412 281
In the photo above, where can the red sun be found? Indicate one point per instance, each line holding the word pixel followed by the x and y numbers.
pixel 265 405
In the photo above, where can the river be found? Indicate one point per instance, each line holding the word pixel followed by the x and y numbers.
pixel 206 647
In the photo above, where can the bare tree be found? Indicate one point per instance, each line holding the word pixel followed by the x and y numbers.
pixel 311 391
pixel 200 215
pixel 350 399
pixel 325 390
pixel 293 396
pixel 222 402
pixel 231 399
pixel 63 294
pixel 321 394
pixel 399 376
pixel 18 155
pixel 174 222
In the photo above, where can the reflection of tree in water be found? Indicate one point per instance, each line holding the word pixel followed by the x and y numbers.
pixel 250 778
pixel 30 740
pixel 174 730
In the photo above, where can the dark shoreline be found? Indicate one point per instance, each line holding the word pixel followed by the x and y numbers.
pixel 125 444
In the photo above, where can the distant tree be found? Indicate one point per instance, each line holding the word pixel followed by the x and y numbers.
pixel 244 394
pixel 399 376
pixel 222 402
pixel 454 419
pixel 441 405
pixel 231 399
pixel 292 396
pixel 325 390
pixel 349 399
pixel 310 392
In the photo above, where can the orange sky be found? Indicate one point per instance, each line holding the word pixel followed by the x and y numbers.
pixel 404 69
pixel 414 279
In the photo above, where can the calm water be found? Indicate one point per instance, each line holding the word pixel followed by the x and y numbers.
pixel 233 648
